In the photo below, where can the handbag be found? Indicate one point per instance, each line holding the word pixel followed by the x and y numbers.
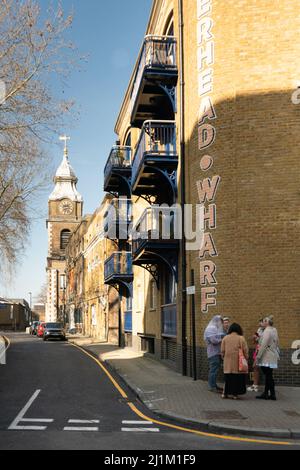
pixel 243 363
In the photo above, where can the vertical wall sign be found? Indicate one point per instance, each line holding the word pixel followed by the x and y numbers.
pixel 208 187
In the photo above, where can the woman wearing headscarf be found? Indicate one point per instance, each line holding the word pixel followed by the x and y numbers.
pixel 267 357
pixel 213 336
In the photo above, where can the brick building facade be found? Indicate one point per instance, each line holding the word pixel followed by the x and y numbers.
pixel 222 74
pixel 15 314
pixel 91 306
pixel 208 128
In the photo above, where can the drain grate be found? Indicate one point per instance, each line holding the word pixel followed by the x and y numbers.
pixel 217 415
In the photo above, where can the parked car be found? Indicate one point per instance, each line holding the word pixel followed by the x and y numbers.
pixel 54 330
pixel 33 327
pixel 40 329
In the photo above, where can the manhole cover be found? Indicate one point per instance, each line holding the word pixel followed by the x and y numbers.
pixel 217 415
pixel 292 414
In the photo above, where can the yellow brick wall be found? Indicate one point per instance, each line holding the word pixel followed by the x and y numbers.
pixel 255 71
pixel 256 153
pixel 86 254
pixel 97 295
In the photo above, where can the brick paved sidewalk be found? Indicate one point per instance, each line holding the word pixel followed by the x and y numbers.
pixel 168 393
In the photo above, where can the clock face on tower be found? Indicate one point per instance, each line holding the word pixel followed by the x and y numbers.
pixel 66 207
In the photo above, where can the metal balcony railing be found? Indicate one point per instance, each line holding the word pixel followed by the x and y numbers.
pixel 157 139
pixel 119 158
pixel 158 53
pixel 157 223
pixel 169 320
pixel 118 264
pixel 119 212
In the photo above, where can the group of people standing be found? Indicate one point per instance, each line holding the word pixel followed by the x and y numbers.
pixel 225 341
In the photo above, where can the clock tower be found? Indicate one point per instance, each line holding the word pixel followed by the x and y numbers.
pixel 65 206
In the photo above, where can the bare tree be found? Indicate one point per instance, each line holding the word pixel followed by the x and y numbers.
pixel 31 50
pixel 42 295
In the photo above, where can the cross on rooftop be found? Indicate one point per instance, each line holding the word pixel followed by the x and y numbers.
pixel 65 138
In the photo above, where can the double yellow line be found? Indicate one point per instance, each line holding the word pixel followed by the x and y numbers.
pixel 173 426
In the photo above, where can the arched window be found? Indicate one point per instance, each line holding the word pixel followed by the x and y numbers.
pixel 170 287
pixel 153 294
pixel 128 140
pixel 169 28
pixel 64 238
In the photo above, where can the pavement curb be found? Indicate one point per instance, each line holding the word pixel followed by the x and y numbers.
pixel 202 425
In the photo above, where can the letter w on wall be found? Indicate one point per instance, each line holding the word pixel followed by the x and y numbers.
pixel 207 189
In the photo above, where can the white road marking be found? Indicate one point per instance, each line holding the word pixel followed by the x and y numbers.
pixel 140 429
pixel 82 428
pixel 137 422
pixel 27 428
pixel 20 418
pixel 71 428
pixel 84 421
pixel 33 420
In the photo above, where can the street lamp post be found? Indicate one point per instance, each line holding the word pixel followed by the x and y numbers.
pixel 64 306
pixel 63 288
pixel 30 307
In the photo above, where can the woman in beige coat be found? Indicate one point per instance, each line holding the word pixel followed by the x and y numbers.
pixel 268 357
pixel 235 382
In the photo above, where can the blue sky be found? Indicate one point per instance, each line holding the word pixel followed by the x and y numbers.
pixel 110 32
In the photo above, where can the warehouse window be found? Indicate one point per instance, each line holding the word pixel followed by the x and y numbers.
pixel 138 298
pixel 63 283
pixel 128 303
pixel 170 288
pixel 169 28
pixel 153 294
pixel 128 140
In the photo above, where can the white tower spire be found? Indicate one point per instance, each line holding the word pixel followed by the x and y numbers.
pixel 65 179
pixel 65 138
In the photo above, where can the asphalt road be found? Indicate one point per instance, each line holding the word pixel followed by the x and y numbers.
pixel 53 396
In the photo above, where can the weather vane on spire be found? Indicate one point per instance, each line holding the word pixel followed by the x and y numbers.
pixel 65 138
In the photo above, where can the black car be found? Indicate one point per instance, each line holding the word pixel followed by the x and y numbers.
pixel 54 330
